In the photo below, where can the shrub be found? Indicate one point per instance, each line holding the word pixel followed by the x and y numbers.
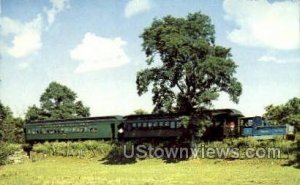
pixel 7 149
pixel 286 146
pixel 116 154
pixel 77 149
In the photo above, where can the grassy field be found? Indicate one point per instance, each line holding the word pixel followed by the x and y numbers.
pixel 59 170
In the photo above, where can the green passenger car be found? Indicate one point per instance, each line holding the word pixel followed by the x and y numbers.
pixel 72 129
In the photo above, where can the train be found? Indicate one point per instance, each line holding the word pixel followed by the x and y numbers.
pixel 225 123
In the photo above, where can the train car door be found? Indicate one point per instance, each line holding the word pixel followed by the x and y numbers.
pixel 113 131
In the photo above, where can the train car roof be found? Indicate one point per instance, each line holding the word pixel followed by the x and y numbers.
pixel 213 112
pixel 155 116
pixel 251 117
pixel 231 112
pixel 76 119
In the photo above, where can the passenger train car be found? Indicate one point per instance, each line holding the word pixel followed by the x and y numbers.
pixel 72 129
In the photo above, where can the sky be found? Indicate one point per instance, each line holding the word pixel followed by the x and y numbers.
pixel 94 48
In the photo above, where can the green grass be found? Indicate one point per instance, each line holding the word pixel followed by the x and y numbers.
pixel 60 170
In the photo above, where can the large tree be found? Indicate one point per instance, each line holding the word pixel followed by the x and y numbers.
pixel 187 69
pixel 284 113
pixel 57 102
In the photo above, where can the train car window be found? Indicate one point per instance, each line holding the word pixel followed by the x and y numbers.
pixel 155 124
pixel 249 122
pixel 150 125
pixel 139 124
pixel 133 125
pixel 144 124
pixel 161 124
pixel 173 124
pixel 167 124
pixel 93 130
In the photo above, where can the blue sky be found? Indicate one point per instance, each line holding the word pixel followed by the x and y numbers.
pixel 94 48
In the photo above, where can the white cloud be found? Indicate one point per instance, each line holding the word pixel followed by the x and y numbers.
pixel 95 53
pixel 264 24
pixel 57 6
pixel 26 37
pixel 9 26
pixel 270 58
pixel 134 7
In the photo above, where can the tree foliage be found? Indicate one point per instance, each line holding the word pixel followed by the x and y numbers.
pixel 140 112
pixel 187 70
pixel 11 128
pixel 57 102
pixel 285 113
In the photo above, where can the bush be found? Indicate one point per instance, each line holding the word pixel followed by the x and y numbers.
pixel 116 154
pixel 77 149
pixel 242 144
pixel 7 149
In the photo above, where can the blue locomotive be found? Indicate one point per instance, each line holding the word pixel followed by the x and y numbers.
pixel 260 128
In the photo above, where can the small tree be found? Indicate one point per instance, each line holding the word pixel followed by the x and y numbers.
pixel 187 70
pixel 57 102
pixel 140 112
pixel 285 113
pixel 11 128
